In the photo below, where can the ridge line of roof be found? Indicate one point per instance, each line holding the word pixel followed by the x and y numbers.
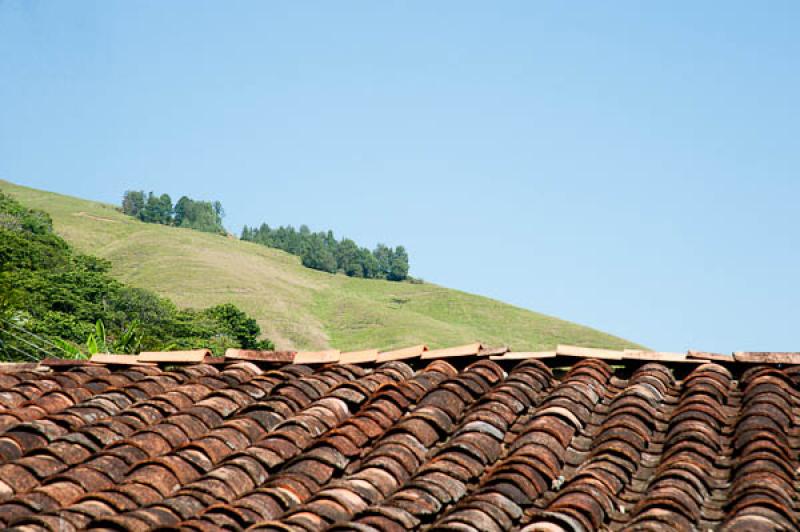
pixel 473 350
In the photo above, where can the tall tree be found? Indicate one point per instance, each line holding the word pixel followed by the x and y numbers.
pixel 157 209
pixel 219 211
pixel 347 258
pixel 369 264
pixel 330 241
pixel 133 202
pixel 383 255
pixel 164 209
pixel 180 210
pixel 198 215
pixel 399 268
pixel 318 256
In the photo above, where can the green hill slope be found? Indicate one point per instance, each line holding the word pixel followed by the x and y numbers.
pixel 295 306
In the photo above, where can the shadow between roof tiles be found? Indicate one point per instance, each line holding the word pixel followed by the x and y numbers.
pixel 18 388
pixel 395 455
pixel 536 457
pixel 633 491
pixel 76 386
pixel 58 412
pixel 68 455
pixel 108 474
pixel 762 494
pixel 298 411
pixel 327 458
pixel 693 470
pixel 456 464
pixel 348 448
pixel 282 448
pixel 591 493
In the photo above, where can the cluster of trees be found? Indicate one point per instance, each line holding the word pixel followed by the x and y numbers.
pixel 199 215
pixel 321 251
pixel 50 292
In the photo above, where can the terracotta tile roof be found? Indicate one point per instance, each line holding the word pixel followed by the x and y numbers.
pixel 480 440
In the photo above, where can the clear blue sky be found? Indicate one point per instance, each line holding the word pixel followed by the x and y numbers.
pixel 630 165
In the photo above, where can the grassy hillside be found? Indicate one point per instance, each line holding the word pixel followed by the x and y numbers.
pixel 295 306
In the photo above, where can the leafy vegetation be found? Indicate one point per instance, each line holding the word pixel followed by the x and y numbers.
pixel 203 216
pixel 296 307
pixel 52 296
pixel 128 341
pixel 321 251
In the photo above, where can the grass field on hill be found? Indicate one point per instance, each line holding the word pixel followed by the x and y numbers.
pixel 296 307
